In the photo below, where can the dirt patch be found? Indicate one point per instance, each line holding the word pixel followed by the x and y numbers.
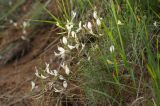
pixel 15 76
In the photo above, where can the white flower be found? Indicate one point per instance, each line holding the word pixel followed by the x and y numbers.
pixel 89 58
pixel 77 46
pixel 55 72
pixel 56 54
pixel 111 48
pixel 43 77
pixel 80 27
pixel 155 23
pixel 73 34
pixel 71 47
pixel 67 70
pixel 40 75
pixel 85 26
pixel 119 22
pixel 25 24
pixel 83 45
pixel 33 85
pixel 61 53
pixel 100 34
pixel 65 67
pixel 73 14
pixel 62 50
pixel 69 26
pixel 37 73
pixel 98 21
pixel 64 40
pixel 65 84
pixel 47 68
pixel 57 90
pixel 95 14
pixel 80 24
pixel 89 25
pixel 51 72
pixel 61 77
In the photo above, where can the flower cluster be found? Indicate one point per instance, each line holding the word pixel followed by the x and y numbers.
pixel 71 47
pixel 51 77
pixel 47 74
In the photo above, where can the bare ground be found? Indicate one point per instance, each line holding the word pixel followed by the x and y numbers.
pixel 16 75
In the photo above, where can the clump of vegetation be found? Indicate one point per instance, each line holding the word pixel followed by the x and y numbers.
pixel 109 50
